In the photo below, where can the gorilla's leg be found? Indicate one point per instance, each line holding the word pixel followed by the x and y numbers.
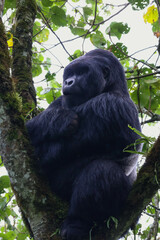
pixel 99 192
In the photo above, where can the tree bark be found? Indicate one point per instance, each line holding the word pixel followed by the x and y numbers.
pixel 38 206
pixel 42 211
pixel 22 52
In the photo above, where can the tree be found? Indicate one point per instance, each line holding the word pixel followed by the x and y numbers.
pixel 41 211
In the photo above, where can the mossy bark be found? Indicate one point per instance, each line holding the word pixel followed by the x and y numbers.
pixel 40 209
pixel 22 52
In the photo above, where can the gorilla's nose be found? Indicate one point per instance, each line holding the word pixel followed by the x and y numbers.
pixel 69 82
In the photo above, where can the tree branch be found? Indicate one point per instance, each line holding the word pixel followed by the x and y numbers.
pixel 143 76
pixel 145 187
pixel 48 25
pixel 1 7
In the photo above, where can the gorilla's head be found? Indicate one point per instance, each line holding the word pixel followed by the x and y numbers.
pixel 96 72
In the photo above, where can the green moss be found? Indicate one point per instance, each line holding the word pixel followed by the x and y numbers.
pixel 4 55
pixel 28 3
pixel 22 53
pixel 14 101
pixel 12 134
pixel 5 83
pixel 61 209
pixel 13 104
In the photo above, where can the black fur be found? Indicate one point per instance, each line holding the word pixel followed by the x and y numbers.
pixel 80 138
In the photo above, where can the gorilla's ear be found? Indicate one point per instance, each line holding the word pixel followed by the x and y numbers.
pixel 106 73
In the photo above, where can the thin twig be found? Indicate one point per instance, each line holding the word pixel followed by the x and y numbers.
pixel 52 55
pixel 97 25
pixel 95 14
pixel 102 22
pixel 143 76
pixel 48 25
pixel 128 56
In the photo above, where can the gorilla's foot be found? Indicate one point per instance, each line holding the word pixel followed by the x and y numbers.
pixel 74 229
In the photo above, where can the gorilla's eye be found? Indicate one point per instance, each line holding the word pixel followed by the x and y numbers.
pixel 82 70
pixel 68 73
pixel 106 73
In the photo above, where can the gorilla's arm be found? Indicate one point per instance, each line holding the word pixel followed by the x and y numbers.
pixel 52 124
pixel 108 116
pixel 104 124
pixel 102 127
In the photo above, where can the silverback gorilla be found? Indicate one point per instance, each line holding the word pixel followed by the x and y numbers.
pixel 79 140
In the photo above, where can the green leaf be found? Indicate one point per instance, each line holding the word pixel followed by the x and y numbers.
pixel 9 4
pixel 139 133
pixel 47 3
pixel 10 235
pixel 39 34
pixel 3 203
pixel 137 228
pixel 147 142
pixel 78 29
pixel 76 54
pixel 1 163
pixel 150 81
pixel 50 93
pixel 39 90
pixel 139 4
pixel 115 220
pixel 47 64
pixel 59 3
pixel 70 20
pixel 4 183
pixel 117 29
pixel 36 70
pixel 93 2
pixel 156 26
pixel 87 12
pixel 98 40
pixel 49 96
pixel 98 19
pixel 119 50
pixel 58 16
pixel 50 76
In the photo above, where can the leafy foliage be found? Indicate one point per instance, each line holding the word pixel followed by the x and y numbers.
pixel 58 16
pixel 117 29
pixel 40 34
pixel 138 4
pixel 11 225
pixel 98 40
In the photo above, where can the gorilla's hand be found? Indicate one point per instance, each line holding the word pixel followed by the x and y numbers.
pixel 73 123
pixel 68 122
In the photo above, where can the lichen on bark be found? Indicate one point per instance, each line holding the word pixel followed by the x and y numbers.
pixel 4 62
pixel 22 52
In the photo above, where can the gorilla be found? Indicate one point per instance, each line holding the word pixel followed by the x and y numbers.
pixel 79 141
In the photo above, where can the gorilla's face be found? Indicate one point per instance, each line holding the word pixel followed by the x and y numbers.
pixel 75 78
pixel 83 79
pixel 96 72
